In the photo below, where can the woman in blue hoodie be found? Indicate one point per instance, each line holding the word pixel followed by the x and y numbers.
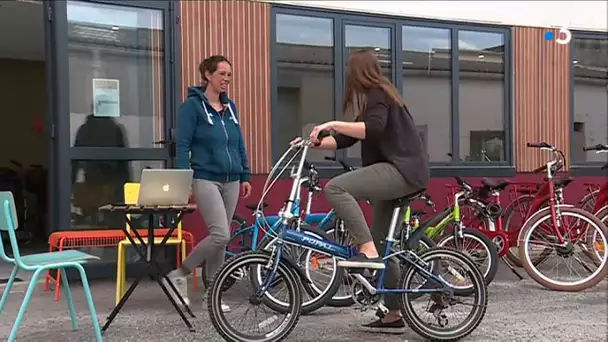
pixel 210 141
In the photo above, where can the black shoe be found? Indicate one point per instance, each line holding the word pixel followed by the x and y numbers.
pixel 362 261
pixel 377 326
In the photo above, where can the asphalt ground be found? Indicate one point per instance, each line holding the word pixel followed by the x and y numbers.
pixel 517 311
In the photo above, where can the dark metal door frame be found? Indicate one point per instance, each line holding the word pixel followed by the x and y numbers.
pixel 61 153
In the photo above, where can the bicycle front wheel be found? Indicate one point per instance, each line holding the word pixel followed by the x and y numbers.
pixel 273 326
pixel 444 263
pixel 580 254
pixel 238 243
pixel 323 276
pixel 595 239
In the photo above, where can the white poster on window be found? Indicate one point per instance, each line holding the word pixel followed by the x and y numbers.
pixel 106 97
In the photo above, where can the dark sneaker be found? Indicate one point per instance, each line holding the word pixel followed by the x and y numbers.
pixel 362 261
pixel 377 326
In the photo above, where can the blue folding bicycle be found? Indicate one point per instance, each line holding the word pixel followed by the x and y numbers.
pixel 265 230
pixel 273 272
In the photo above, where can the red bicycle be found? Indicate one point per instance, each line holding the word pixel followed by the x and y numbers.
pixel 561 230
pixel 484 212
pixel 597 194
pixel 596 201
pixel 529 198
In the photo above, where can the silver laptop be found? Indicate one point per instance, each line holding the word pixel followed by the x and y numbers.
pixel 164 187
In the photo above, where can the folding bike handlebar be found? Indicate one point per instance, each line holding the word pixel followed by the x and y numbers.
pixel 300 148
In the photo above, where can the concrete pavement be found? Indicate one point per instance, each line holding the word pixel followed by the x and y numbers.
pixel 518 311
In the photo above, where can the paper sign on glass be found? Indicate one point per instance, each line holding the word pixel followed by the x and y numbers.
pixel 106 97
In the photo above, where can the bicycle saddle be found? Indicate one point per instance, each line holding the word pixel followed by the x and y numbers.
pixel 495 184
pixel 254 206
pixel 418 213
pixel 563 182
pixel 402 201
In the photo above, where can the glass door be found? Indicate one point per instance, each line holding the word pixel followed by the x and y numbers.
pixel 114 107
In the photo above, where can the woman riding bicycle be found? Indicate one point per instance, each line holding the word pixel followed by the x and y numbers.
pixel 394 165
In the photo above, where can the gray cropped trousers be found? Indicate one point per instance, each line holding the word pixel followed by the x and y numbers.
pixel 380 184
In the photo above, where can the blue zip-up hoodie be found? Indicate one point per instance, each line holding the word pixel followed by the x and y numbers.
pixel 209 142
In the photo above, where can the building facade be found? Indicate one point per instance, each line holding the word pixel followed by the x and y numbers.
pixel 478 91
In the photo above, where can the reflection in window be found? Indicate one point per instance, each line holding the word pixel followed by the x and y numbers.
pixel 100 182
pixel 427 73
pixel 377 39
pixel 305 58
pixel 590 97
pixel 481 96
pixel 116 57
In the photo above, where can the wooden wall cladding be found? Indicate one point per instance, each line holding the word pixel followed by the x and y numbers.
pixel 541 96
pixel 239 30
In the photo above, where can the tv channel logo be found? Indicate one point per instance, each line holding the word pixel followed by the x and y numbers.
pixel 563 37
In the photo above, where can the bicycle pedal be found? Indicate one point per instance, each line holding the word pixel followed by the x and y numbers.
pixel 383 309
pixel 365 272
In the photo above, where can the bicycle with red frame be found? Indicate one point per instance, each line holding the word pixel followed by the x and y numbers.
pixel 526 199
pixel 599 197
pixel 561 230
pixel 484 212
pixel 596 199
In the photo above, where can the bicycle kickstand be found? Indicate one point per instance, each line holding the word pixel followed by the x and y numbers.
pixel 512 268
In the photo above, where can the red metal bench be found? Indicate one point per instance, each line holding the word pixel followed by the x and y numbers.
pixel 76 239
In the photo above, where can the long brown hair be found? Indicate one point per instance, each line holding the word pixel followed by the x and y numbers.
pixel 364 73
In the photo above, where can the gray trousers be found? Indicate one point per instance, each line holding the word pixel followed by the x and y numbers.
pixel 380 184
pixel 216 202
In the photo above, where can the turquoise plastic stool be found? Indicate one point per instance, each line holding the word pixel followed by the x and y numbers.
pixel 39 264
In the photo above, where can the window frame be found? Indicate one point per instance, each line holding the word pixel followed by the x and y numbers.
pixel 586 168
pixel 344 17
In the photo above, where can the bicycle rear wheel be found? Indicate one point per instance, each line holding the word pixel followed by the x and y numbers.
pixel 248 262
pixel 479 248
pixel 343 296
pixel 514 217
pixel 452 262
pixel 576 225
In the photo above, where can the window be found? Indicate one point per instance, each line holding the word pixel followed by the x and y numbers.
pixel 305 90
pixel 590 97
pixel 427 69
pixel 453 78
pixel 99 182
pixel 116 61
pixel 481 96
pixel 428 81
pixel 378 39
